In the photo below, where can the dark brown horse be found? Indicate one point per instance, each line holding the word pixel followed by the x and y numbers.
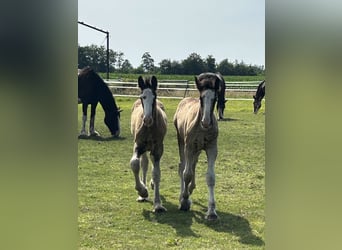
pixel 259 95
pixel 221 101
pixel 91 90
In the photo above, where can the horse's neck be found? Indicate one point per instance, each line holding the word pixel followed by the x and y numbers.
pixel 106 100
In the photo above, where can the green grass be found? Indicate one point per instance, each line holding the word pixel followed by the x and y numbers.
pixel 110 217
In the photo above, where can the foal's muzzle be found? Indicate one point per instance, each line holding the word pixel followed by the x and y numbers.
pixel 148 121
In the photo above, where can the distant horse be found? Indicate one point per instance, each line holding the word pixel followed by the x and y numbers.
pixel 259 95
pixel 197 130
pixel 91 90
pixel 148 126
pixel 221 101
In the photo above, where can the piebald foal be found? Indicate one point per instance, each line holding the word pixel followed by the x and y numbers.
pixel 148 126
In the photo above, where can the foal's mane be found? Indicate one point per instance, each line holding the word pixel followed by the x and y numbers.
pixel 207 81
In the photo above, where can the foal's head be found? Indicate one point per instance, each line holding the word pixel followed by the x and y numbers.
pixel 208 85
pixel 148 98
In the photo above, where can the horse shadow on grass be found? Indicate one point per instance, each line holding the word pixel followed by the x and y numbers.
pixel 101 138
pixel 182 221
pixel 228 120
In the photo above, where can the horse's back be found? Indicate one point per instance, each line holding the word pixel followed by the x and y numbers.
pixel 136 116
pixel 89 84
pixel 186 113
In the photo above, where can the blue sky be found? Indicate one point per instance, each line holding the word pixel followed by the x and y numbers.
pixel 175 29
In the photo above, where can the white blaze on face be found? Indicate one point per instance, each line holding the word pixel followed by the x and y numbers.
pixel 147 98
pixel 208 101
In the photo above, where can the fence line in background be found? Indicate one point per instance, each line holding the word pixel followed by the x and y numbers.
pixel 184 86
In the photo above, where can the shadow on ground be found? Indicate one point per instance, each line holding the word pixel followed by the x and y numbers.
pixel 227 223
pixel 100 138
pixel 228 120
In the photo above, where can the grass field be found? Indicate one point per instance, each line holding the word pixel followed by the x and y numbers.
pixel 110 217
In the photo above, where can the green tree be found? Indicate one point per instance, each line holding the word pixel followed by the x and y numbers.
pixel 193 64
pixel 119 60
pixel 225 67
pixel 177 68
pixel 147 62
pixel 126 67
pixel 210 63
pixel 95 57
pixel 165 66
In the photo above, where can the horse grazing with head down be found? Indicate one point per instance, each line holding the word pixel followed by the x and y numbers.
pixel 259 95
pixel 91 90
pixel 148 126
pixel 221 101
pixel 197 130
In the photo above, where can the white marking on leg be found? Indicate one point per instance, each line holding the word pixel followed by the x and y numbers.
pixel 139 186
pixel 84 120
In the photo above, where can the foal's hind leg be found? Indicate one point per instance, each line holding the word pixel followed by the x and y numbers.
pixel 135 165
pixel 92 121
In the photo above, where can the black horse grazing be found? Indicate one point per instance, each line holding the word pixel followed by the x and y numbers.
pixel 259 95
pixel 91 90
pixel 221 101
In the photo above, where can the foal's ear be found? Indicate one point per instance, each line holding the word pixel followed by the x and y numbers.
pixel 154 83
pixel 141 83
pixel 199 87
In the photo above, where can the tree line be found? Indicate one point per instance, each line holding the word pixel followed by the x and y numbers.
pixel 96 57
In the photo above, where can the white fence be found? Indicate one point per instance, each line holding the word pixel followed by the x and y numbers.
pixel 178 88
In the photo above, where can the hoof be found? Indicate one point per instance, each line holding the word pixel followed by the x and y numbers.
pixel 211 217
pixel 83 136
pixel 185 205
pixel 142 199
pixel 143 194
pixel 95 134
pixel 159 209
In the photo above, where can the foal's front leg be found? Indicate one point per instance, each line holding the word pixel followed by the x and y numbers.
pixel 135 166
pixel 210 177
pixel 144 168
pixel 92 130
pixel 84 119
pixel 188 178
